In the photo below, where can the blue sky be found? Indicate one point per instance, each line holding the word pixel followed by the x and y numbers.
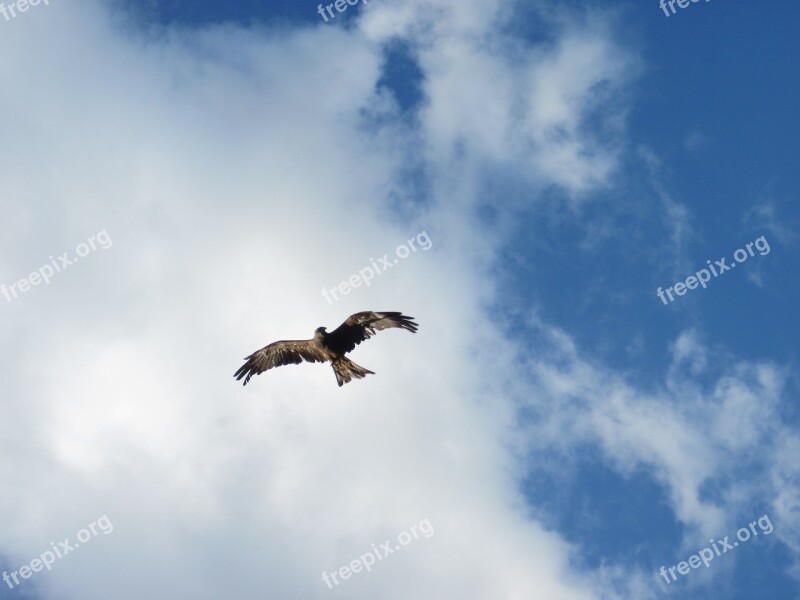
pixel 565 432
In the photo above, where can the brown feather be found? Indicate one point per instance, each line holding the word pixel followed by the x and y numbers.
pixel 363 325
pixel 277 354
pixel 327 347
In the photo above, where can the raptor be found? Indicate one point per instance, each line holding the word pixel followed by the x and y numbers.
pixel 327 347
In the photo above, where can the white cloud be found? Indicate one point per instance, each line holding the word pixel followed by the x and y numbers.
pixel 693 431
pixel 236 177
pixel 694 141
pixel 786 506
pixel 234 174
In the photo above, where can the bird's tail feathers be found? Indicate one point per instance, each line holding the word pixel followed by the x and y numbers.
pixel 346 370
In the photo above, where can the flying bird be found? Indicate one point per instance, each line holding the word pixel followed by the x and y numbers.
pixel 327 347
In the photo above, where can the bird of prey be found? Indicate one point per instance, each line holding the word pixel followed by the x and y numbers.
pixel 327 347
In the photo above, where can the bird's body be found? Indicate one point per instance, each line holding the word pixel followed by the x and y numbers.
pixel 327 347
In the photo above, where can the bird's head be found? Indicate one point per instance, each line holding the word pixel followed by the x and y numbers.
pixel 320 332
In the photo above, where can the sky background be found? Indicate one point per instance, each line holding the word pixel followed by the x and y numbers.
pixel 564 433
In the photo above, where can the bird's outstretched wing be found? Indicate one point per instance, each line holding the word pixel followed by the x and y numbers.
pixel 363 325
pixel 277 354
